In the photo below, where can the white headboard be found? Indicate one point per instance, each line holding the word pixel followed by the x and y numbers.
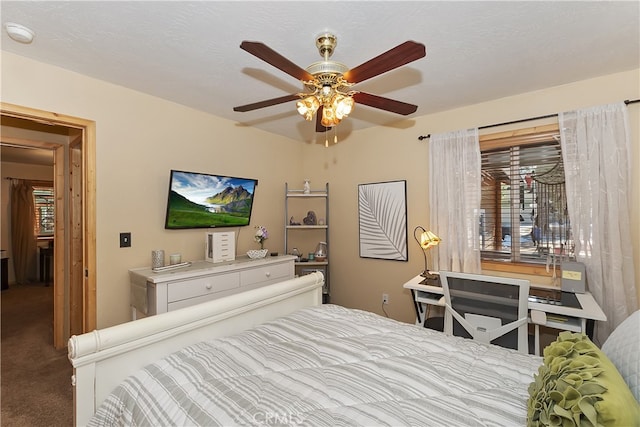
pixel 104 358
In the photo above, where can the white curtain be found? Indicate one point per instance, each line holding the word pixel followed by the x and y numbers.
pixel 454 200
pixel 596 151
pixel 23 238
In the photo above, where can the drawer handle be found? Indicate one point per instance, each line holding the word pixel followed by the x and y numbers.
pixel 268 274
pixel 208 286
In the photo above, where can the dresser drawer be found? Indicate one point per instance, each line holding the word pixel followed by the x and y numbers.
pixel 203 281
pixel 268 273
pixel 177 291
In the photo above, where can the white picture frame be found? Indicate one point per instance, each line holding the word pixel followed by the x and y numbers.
pixel 382 220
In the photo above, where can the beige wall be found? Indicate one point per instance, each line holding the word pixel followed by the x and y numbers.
pixel 140 138
pixel 387 153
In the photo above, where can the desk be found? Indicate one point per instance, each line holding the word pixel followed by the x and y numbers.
pixel 5 271
pixel 558 317
pixel 46 262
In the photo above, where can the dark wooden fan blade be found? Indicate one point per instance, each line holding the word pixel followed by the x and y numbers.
pixel 382 103
pixel 266 103
pixel 400 55
pixel 319 126
pixel 272 57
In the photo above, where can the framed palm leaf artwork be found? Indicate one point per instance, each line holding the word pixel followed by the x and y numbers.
pixel 382 219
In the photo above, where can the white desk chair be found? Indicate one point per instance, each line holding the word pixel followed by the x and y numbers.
pixel 490 309
pixel 538 318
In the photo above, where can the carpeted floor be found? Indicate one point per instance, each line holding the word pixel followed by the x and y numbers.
pixel 35 377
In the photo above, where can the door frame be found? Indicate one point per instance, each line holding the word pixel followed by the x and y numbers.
pixel 66 284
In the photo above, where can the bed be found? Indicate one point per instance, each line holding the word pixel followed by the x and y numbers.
pixel 278 356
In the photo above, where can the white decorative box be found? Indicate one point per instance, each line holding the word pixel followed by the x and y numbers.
pixel 220 247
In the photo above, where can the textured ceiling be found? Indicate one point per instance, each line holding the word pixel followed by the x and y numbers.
pixel 188 52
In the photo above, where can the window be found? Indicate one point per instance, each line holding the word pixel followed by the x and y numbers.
pixel 43 199
pixel 524 216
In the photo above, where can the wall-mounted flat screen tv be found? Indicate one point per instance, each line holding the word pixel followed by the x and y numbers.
pixel 200 200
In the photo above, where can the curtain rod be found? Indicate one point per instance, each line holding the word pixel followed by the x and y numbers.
pixel 29 180
pixel 627 102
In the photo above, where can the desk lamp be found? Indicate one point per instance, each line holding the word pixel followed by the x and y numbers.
pixel 427 240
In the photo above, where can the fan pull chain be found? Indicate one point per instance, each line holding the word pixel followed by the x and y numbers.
pixel 326 140
pixel 335 135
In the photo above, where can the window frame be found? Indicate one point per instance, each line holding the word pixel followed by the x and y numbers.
pixel 504 140
pixel 36 226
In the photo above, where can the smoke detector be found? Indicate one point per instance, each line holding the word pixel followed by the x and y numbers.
pixel 19 33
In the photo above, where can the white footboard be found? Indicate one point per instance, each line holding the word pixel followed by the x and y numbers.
pixel 104 358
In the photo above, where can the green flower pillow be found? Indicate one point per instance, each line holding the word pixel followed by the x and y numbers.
pixel 579 386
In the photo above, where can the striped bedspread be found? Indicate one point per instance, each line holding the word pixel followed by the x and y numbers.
pixel 328 366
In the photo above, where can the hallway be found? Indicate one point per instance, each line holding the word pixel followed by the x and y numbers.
pixel 35 378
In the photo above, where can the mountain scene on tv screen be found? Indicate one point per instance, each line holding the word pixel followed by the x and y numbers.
pixel 229 207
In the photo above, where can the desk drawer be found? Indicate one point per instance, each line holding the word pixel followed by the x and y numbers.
pixel 270 273
pixel 186 289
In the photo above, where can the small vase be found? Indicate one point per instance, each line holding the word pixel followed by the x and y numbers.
pixel 157 258
pixel 321 252
pixel 306 187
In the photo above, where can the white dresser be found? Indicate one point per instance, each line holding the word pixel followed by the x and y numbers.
pixel 158 292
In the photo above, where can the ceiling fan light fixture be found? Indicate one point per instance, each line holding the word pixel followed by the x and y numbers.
pixel 336 106
pixel 307 107
pixel 342 105
pixel 329 118
pixel 327 83
pixel 326 91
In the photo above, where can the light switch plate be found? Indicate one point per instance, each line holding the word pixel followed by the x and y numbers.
pixel 125 240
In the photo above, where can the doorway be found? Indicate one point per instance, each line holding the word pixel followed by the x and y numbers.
pixel 74 269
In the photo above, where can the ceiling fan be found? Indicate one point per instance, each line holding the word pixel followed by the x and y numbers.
pixel 328 83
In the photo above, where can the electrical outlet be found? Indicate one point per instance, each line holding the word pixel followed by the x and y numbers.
pixel 125 240
pixel 385 298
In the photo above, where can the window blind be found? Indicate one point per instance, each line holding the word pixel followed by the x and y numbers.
pixel 523 206
pixel 43 199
